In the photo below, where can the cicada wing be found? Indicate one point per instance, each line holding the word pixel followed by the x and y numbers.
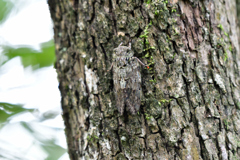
pixel 133 98
pixel 133 101
pixel 120 102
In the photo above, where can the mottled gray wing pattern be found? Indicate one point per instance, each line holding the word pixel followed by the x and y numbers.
pixel 133 96
pixel 120 101
pixel 118 92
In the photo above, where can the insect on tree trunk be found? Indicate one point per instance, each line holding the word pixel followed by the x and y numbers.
pixel 189 105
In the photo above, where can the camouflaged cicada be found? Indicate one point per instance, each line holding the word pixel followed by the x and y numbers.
pixel 127 79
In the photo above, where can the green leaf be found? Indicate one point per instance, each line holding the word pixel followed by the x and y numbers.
pixel 30 57
pixel 5 8
pixel 8 110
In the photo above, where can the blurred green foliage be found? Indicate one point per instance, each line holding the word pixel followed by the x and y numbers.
pixel 49 145
pixel 7 110
pixel 5 8
pixel 53 148
pixel 30 57
pixel 36 59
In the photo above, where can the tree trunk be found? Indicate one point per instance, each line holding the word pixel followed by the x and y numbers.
pixel 190 103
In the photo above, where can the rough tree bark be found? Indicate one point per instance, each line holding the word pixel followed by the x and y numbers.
pixel 190 105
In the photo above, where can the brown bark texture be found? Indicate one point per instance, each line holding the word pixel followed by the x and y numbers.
pixel 190 104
